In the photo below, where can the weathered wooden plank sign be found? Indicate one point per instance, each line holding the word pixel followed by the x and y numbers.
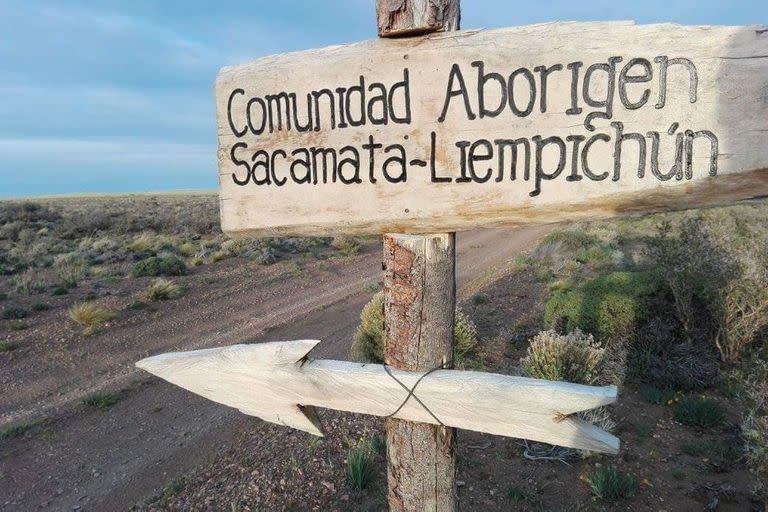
pixel 277 383
pixel 450 131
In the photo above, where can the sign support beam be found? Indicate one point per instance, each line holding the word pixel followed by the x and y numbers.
pixel 419 310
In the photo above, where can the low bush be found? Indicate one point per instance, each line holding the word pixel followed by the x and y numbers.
pixel 70 268
pixel 40 306
pixel 368 344
pixel 611 485
pixel 162 289
pixel 715 264
pixel 159 266
pixel 90 316
pixel 610 306
pixel 14 313
pixel 699 412
pixel 573 357
pixel 347 246
pixel 29 282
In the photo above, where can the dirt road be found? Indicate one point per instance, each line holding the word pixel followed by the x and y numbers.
pixel 80 458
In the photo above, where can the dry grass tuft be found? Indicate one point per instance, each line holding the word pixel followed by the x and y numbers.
pixel 162 289
pixel 90 316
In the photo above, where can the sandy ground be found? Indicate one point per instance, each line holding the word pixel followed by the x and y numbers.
pixel 85 459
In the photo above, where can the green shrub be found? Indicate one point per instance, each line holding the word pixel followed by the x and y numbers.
pixel 347 246
pixel 7 346
pixel 159 266
pixel 90 316
pixel 40 306
pixel 609 306
pixel 611 485
pixel 59 290
pixel 573 357
pixel 699 412
pixel 102 401
pixel 369 338
pixel 162 289
pixel 14 313
pixel 3 296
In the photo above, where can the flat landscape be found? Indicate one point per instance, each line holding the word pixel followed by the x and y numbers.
pixel 670 308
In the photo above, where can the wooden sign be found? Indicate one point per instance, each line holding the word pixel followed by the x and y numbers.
pixel 277 383
pixel 538 124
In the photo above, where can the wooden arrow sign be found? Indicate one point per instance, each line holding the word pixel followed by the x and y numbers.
pixel 278 383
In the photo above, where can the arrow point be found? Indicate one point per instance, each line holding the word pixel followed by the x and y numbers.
pixel 300 417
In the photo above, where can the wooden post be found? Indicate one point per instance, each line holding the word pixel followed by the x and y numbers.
pixel 419 305
pixel 419 309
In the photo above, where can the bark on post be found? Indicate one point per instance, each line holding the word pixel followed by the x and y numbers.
pixel 419 309
pixel 398 18
pixel 419 305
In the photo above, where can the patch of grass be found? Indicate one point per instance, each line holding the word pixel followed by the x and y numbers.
pixel 658 396
pixel 696 448
pixel 359 470
pixel 718 450
pixel 678 474
pixel 14 313
pixel 699 412
pixel 611 485
pixel 162 289
pixel 7 346
pixel 479 299
pixel 643 431
pixel 379 445
pixel 59 290
pixel 40 306
pixel 159 266
pixel 371 288
pixel 3 296
pixel 17 325
pixel 90 316
pixel 15 431
pixel 571 239
pixel 137 305
pixel 102 401
pixel 516 494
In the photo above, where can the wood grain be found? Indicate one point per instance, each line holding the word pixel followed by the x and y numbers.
pixel 419 306
pixel 731 102
pixel 398 18
pixel 278 383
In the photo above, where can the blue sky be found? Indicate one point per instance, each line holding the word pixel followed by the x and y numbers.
pixel 116 96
